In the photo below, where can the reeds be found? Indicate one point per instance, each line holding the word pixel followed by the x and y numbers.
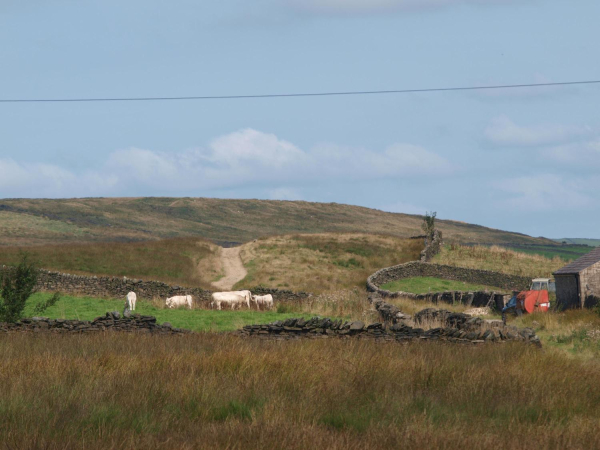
pixel 218 391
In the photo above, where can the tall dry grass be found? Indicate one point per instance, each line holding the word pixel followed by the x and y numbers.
pixel 187 261
pixel 215 391
pixel 323 262
pixel 499 259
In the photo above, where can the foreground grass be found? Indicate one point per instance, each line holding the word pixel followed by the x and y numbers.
pixel 499 259
pixel 186 261
pixel 323 262
pixel 88 308
pixel 216 391
pixel 423 285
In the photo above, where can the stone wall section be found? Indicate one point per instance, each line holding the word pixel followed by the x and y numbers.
pixel 112 321
pixel 423 269
pixel 118 287
pixel 432 247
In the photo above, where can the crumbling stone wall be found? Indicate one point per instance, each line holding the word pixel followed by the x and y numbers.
pixel 112 321
pixel 466 332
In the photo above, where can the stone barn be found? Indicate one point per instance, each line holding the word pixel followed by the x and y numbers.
pixel 578 283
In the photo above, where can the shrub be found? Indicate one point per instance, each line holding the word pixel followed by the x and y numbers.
pixel 16 286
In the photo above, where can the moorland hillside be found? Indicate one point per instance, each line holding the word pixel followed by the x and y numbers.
pixel 51 221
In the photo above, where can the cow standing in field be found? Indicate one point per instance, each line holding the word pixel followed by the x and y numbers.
pixel 232 299
pixel 130 301
pixel 264 300
pixel 179 300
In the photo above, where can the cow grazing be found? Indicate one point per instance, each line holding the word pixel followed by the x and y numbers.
pixel 264 300
pixel 232 299
pixel 130 301
pixel 179 300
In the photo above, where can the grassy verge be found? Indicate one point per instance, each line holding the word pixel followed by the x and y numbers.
pixel 186 261
pixel 423 285
pixel 324 262
pixel 499 259
pixel 215 391
pixel 88 308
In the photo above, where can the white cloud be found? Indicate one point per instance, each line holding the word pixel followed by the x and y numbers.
pixel 545 192
pixel 245 158
pixel 348 7
pixel 586 155
pixel 503 131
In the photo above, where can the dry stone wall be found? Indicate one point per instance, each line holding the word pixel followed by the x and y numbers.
pixel 432 247
pixel 469 331
pixel 112 321
pixel 423 269
pixel 94 286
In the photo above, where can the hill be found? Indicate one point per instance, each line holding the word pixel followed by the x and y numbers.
pixel 50 221
pixel 580 241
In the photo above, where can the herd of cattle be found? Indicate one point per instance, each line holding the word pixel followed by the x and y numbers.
pixel 232 299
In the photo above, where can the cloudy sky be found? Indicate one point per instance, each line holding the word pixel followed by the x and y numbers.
pixel 526 160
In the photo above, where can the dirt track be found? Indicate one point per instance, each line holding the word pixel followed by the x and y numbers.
pixel 233 268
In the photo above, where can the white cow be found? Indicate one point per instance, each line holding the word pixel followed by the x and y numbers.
pixel 265 300
pixel 232 299
pixel 130 301
pixel 179 300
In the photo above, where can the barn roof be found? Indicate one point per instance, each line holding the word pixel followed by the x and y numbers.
pixel 578 265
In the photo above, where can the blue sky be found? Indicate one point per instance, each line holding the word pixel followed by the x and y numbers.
pixel 525 160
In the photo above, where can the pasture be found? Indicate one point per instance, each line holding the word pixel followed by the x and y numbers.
pixel 499 259
pixel 322 262
pixel 185 261
pixel 88 308
pixel 424 285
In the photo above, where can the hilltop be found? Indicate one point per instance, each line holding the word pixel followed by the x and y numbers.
pixel 50 221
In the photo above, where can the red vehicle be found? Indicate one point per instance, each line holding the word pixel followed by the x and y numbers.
pixel 535 299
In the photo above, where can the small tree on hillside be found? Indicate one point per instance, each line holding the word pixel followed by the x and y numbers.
pixel 428 224
pixel 16 286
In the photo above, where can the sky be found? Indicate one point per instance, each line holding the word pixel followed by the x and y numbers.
pixel 525 160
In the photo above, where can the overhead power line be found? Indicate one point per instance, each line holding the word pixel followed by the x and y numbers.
pixel 306 94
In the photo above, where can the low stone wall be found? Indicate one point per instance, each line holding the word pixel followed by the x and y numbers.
pixel 323 328
pixel 475 299
pixel 432 247
pixel 111 322
pixel 51 281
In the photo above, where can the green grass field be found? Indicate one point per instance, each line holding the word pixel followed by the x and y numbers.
pixel 423 285
pixel 565 252
pixel 88 308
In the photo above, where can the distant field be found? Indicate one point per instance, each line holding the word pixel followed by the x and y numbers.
pixel 186 261
pixel 580 241
pixel 48 221
pixel 323 262
pixel 565 252
pixel 499 259
pixel 424 285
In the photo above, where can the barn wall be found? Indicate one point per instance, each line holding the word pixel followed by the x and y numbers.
pixel 567 294
pixel 590 284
